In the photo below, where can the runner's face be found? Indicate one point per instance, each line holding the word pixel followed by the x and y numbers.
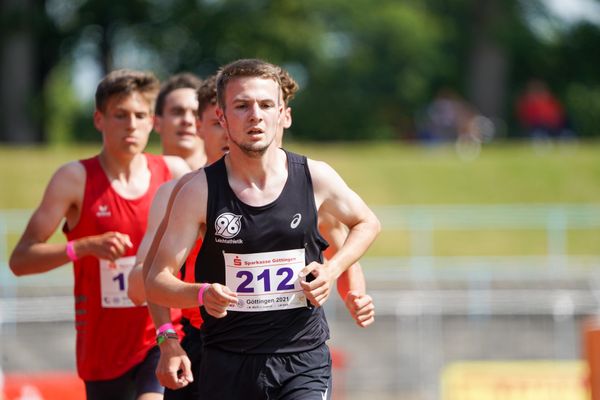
pixel 125 123
pixel 177 124
pixel 252 115
pixel 215 137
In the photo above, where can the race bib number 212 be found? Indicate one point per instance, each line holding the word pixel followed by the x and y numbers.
pixel 265 281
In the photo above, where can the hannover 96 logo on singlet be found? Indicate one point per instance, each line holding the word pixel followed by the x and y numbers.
pixel 227 226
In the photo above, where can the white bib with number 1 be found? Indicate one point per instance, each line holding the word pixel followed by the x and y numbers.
pixel 265 281
pixel 113 282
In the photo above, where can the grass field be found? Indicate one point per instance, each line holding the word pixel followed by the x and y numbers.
pixel 401 174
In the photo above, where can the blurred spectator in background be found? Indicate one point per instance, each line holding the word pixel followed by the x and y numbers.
pixel 450 118
pixel 540 113
pixel 446 117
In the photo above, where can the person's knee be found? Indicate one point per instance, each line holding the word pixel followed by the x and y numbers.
pixel 150 396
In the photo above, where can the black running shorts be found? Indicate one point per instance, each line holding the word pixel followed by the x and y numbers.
pixel 289 376
pixel 129 386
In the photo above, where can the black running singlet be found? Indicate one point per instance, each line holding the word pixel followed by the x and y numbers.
pixel 257 252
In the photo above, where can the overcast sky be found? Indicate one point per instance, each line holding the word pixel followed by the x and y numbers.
pixel 575 10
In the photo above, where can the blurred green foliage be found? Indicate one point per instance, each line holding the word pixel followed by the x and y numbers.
pixel 366 68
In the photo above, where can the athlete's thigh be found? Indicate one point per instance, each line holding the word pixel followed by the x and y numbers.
pixel 145 378
pixel 225 375
pixel 121 388
pixel 303 376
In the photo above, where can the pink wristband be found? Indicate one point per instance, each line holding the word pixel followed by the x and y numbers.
pixel 165 327
pixel 71 251
pixel 203 287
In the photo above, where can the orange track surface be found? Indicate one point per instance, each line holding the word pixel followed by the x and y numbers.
pixel 43 386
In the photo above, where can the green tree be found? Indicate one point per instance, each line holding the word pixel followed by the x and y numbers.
pixel 29 43
pixel 365 68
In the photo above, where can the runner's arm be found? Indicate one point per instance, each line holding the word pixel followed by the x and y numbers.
pixel 186 220
pixel 351 284
pixel 135 288
pixel 172 356
pixel 335 233
pixel 334 197
pixel 62 198
pixel 32 254
pixel 179 229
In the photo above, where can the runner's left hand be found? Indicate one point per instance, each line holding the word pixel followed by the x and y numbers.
pixel 318 290
pixel 174 369
pixel 361 308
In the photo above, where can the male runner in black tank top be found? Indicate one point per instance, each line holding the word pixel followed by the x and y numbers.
pixel 257 209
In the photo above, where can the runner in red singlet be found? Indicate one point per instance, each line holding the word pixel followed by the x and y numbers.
pixel 105 201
